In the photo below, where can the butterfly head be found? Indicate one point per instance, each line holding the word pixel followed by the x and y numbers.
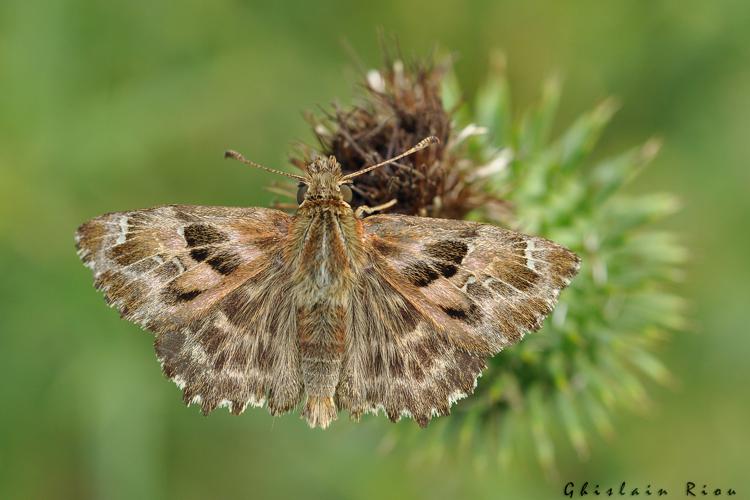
pixel 324 180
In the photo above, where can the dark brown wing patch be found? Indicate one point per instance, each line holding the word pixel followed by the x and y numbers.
pixel 198 235
pixel 447 250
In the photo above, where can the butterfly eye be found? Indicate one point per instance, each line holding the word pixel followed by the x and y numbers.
pixel 301 191
pixel 346 193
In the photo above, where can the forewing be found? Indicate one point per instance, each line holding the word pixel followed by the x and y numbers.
pixel 443 295
pixel 211 284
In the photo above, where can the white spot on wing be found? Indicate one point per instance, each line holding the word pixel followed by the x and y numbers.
pixel 253 401
pixel 179 381
pixel 178 264
pixel 123 230
pixel 529 254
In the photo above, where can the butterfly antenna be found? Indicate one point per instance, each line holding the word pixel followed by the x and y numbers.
pixel 424 143
pixel 237 156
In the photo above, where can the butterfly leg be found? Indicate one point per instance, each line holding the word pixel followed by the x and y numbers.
pixel 365 210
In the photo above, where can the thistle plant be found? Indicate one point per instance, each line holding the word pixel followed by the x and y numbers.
pixel 598 348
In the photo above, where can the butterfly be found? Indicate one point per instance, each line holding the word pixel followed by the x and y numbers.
pixel 325 308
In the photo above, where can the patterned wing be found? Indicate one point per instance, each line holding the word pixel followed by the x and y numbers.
pixel 437 298
pixel 211 284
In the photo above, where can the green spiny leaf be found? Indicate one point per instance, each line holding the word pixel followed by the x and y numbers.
pixel 493 104
pixel 536 123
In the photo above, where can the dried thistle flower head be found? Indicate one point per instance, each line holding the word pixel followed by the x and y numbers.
pixel 401 106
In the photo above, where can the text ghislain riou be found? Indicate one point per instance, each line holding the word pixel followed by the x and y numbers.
pixel 690 489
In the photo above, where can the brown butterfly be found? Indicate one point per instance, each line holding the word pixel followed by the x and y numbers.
pixel 388 312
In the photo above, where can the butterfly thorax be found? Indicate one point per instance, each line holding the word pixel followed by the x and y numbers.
pixel 326 250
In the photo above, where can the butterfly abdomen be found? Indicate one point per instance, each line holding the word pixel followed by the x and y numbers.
pixel 320 329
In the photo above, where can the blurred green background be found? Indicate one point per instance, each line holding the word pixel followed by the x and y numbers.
pixel 110 106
